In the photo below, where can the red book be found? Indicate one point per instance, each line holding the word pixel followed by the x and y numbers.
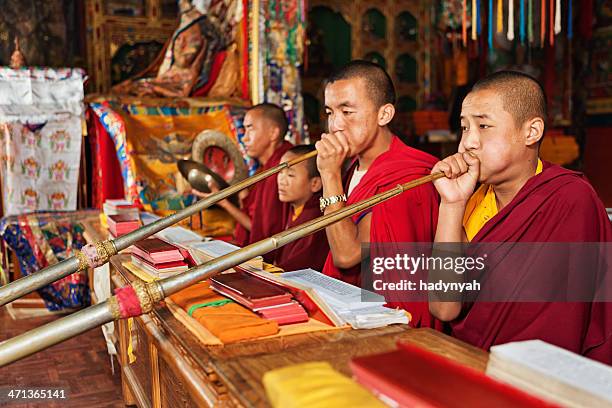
pixel 157 251
pixel 248 301
pixel 116 204
pixel 121 224
pixel 248 286
pixel 315 307
pixel 287 313
pixel 161 270
pixel 119 218
pixel 160 266
pixel 412 376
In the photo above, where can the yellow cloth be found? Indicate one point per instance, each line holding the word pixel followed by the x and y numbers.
pixel 130 348
pixel 481 207
pixel 296 212
pixel 315 385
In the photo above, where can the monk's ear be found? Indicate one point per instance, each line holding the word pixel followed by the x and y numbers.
pixel 274 134
pixel 385 114
pixel 535 131
pixel 315 184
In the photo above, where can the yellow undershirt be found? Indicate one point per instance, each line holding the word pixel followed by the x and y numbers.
pixel 297 211
pixel 481 207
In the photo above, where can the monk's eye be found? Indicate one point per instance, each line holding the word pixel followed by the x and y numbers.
pixel 483 126
pixel 464 128
pixel 347 113
pixel 327 112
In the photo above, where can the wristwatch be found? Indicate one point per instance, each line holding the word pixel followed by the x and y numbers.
pixel 324 202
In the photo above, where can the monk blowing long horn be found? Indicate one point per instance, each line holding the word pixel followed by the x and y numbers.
pixel 97 254
pixel 139 297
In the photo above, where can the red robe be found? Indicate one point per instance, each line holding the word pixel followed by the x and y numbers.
pixel 410 217
pixel 556 205
pixel 308 252
pixel 266 212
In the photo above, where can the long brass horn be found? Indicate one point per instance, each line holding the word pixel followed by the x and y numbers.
pixel 97 254
pixel 147 294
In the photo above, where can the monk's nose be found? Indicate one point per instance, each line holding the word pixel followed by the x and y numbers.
pixel 335 124
pixel 470 140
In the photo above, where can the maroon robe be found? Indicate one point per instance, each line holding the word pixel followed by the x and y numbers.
pixel 266 211
pixel 554 206
pixel 308 252
pixel 410 217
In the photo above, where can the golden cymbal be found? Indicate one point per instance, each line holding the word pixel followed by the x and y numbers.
pixel 200 177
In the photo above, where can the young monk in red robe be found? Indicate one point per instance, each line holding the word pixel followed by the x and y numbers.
pixel 262 214
pixel 521 199
pixel 359 105
pixel 300 186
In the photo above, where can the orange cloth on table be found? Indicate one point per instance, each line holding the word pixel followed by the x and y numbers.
pixel 230 322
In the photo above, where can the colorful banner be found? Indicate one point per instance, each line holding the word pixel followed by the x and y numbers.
pixel 41 127
pixel 40 165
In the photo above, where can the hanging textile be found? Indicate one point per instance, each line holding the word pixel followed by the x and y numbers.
pixel 570 25
pixel 280 44
pixel 551 20
pixel 510 35
pixel 464 23
pixel 41 128
pixel 490 24
pixel 558 17
pixel 522 22
pixel 478 17
pixel 500 16
pixel 42 239
pixel 530 22
pixel 542 22
pixel 150 138
pixel 474 17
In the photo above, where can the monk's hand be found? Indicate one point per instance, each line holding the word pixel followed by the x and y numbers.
pixel 333 149
pixel 212 184
pixel 201 194
pixel 462 171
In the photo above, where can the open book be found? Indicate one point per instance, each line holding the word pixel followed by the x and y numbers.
pixel 552 373
pixel 204 251
pixel 360 308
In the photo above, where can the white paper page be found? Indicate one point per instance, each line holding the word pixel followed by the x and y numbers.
pixel 560 364
pixel 178 235
pixel 214 248
pixel 334 291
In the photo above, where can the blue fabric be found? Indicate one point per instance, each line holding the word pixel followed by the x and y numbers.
pixel 72 292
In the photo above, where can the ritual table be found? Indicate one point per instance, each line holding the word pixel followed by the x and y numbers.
pixel 172 368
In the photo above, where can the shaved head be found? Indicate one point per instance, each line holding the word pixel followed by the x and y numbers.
pixel 378 82
pixel 274 114
pixel 311 164
pixel 523 97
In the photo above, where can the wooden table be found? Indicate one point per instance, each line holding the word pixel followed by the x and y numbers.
pixel 173 368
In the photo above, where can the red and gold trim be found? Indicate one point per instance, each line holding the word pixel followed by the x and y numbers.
pixel 135 299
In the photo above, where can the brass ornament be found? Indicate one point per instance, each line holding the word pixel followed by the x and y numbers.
pixel 144 297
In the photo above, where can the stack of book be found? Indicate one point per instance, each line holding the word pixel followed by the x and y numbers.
pixel 121 224
pixel 262 297
pixel 158 258
pixel 114 207
pixel 553 373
